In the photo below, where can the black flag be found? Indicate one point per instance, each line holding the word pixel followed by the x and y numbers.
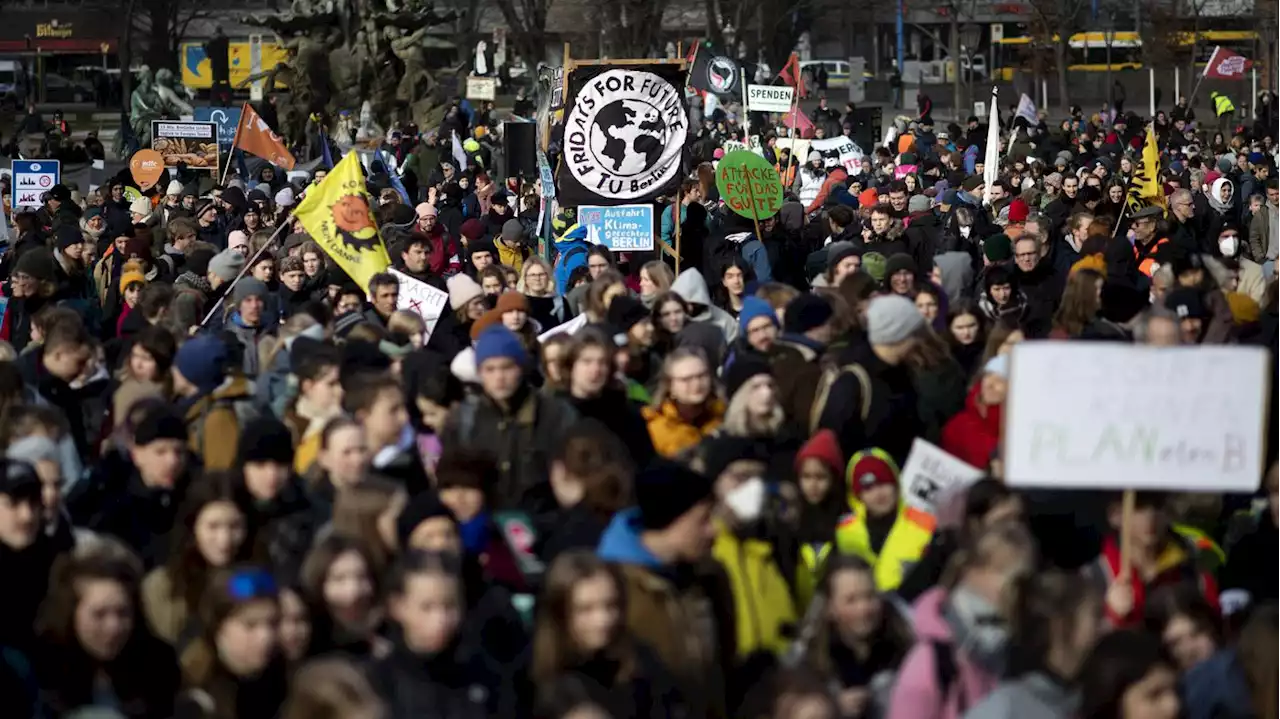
pixel 715 73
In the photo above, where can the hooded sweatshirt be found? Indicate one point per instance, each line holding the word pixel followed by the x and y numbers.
pixel 957 274
pixel 691 286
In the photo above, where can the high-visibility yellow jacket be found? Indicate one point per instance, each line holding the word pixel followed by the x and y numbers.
pixel 761 597
pixel 1222 105
pixel 813 557
pixel 1209 556
pixel 903 547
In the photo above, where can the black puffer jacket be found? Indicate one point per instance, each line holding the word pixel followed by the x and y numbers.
pixel 458 683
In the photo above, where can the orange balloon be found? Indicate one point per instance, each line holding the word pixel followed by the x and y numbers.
pixel 146 166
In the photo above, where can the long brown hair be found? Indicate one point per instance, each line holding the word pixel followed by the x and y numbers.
pixel 553 651
pixel 355 516
pixel 1258 659
pixel 227 591
pixel 187 569
pixel 1080 303
pixel 894 631
pixel 331 688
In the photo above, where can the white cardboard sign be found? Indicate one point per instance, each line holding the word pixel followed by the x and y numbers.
pixel 1099 416
pixel 421 299
pixel 571 326
pixel 930 472
pixel 846 151
pixel 769 98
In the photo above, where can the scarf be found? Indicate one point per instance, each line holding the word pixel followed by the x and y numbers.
pixel 978 629
pixel 475 533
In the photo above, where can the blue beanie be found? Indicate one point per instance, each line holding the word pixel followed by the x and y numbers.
pixel 498 341
pixel 753 307
pixel 202 361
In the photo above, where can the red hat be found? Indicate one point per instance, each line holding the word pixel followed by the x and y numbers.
pixel 868 197
pixel 870 468
pixel 472 229
pixel 824 447
pixel 1018 210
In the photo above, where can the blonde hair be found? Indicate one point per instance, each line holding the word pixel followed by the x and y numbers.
pixel 292 327
pixel 406 323
pixel 739 423
pixel 664 381
pixel 331 688
pixel 355 515
pixel 532 261
pixel 660 274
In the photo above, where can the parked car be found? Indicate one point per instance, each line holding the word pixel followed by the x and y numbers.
pixel 59 88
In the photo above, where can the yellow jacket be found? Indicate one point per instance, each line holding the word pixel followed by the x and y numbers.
pixel 1222 105
pixel 512 257
pixel 761 597
pixel 903 547
pixel 809 568
pixel 670 432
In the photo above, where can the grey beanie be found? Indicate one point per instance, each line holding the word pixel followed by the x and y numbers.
pixel 251 287
pixel 226 265
pixel 32 449
pixel 892 319
pixel 918 203
pixel 814 155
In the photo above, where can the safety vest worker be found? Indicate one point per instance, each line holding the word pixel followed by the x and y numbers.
pixel 881 529
pixel 1146 249
pixel 1221 104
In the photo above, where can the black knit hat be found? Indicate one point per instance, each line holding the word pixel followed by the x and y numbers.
pixel 665 490
pixel 740 371
pixel 68 235
pixel 265 439
pixel 719 453
pixel 806 312
pixel 37 262
pixel 625 311
pixel 900 261
pixel 159 423
pixel 424 506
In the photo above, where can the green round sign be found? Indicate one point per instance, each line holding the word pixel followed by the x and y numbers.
pixel 749 184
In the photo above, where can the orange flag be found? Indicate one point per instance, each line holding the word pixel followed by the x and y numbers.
pixel 256 138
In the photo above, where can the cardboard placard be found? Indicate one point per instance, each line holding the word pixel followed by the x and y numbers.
pixel 623 228
pixel 194 144
pixel 770 98
pixel 570 327
pixel 421 299
pixel 843 149
pixel 749 185
pixel 930 473
pixel 1102 416
pixel 482 88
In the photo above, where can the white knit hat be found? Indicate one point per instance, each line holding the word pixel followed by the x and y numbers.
pixel 140 206
pixel 462 289
pixel 284 198
pixel 175 188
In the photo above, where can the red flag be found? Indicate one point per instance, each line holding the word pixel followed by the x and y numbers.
pixel 803 125
pixel 791 75
pixel 1226 65
pixel 255 137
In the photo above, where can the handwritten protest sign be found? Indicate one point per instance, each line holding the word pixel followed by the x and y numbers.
pixel 570 327
pixel 799 147
pixel 1122 417
pixel 422 299
pixel 930 473
pixel 749 185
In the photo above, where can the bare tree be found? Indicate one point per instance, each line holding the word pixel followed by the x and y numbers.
pixel 635 27
pixel 527 27
pixel 162 25
pixel 769 27
pixel 1054 22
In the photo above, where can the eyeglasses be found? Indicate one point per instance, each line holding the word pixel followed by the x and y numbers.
pixel 691 378
pixel 1025 255
pixel 535 275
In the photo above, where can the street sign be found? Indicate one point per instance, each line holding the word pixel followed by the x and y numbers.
pixel 31 179
pixel 226 118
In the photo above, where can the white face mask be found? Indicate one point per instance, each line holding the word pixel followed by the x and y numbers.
pixel 747 500
pixel 1229 245
pixel 964 231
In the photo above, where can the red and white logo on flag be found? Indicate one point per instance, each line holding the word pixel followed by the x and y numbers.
pixel 1226 65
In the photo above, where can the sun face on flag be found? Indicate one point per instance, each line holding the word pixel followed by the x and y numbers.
pixel 352 218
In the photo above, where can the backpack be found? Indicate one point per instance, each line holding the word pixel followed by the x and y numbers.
pixel 828 380
pixel 565 266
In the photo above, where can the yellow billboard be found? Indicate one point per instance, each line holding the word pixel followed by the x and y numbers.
pixel 197 74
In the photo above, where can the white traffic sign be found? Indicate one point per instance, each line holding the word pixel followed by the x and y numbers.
pixel 33 178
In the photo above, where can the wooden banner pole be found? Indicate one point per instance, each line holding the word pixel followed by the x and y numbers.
pixel 751 195
pixel 1126 524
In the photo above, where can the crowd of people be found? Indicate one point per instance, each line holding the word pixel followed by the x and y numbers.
pixel 238 484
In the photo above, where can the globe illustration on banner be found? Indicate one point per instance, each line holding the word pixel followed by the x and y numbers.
pixel 628 137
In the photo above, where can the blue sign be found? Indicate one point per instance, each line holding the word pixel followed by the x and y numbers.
pixel 31 179
pixel 226 118
pixel 548 179
pixel 623 228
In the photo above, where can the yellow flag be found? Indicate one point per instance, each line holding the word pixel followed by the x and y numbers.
pixel 338 217
pixel 1144 187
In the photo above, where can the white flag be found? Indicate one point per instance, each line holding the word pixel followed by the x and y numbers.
pixel 459 154
pixel 1027 109
pixel 991 160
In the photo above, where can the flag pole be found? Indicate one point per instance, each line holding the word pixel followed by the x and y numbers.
pixel 1191 99
pixel 751 194
pixel 234 141
pixel 270 241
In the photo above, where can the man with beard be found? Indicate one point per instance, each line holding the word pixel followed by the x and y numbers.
pixel 442 250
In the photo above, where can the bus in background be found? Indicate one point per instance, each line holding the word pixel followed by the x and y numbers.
pixel 1087 51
